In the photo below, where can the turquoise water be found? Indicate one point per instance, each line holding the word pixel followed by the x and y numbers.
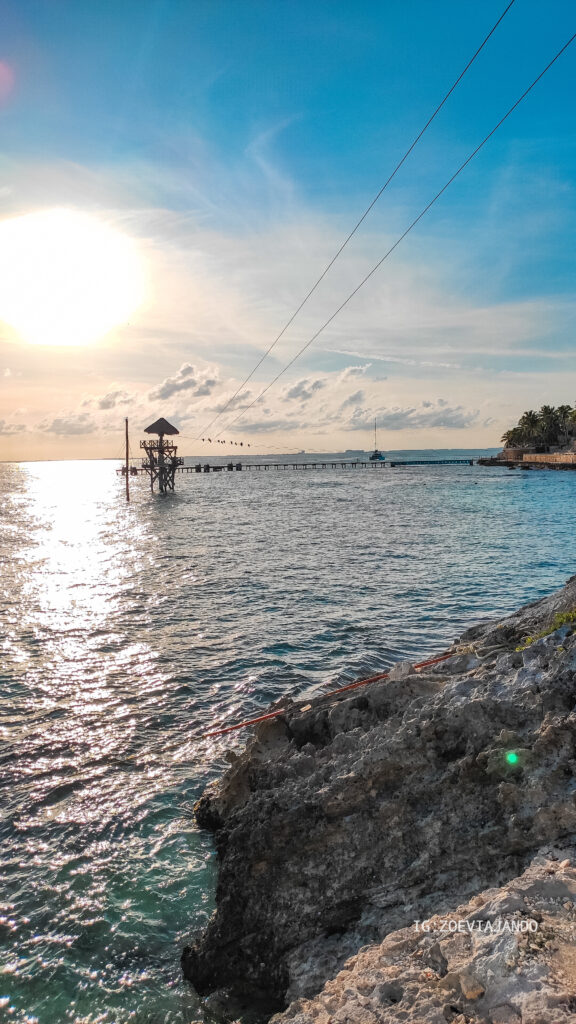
pixel 130 629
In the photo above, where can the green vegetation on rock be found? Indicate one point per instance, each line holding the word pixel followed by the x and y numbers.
pixel 560 619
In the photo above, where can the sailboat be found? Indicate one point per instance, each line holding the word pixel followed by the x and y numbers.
pixel 377 455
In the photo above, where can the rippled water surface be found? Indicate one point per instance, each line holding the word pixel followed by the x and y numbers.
pixel 127 630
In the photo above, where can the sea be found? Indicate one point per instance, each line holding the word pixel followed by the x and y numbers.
pixel 128 631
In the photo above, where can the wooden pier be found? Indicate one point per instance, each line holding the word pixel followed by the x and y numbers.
pixel 435 462
pixel 311 465
pixel 237 467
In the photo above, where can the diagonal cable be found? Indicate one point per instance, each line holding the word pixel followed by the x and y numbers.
pixel 359 222
pixel 402 236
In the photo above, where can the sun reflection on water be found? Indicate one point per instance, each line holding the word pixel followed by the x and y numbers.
pixel 95 787
pixel 72 565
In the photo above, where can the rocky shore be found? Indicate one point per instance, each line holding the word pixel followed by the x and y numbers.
pixel 340 825
pixel 506 957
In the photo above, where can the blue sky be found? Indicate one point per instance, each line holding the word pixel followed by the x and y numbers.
pixel 237 142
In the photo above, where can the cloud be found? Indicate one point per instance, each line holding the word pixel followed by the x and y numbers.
pixel 240 401
pixel 69 424
pixel 356 399
pixel 9 429
pixel 269 426
pixel 109 401
pixel 114 398
pixel 353 372
pixel 303 390
pixel 206 388
pixel 438 414
pixel 200 383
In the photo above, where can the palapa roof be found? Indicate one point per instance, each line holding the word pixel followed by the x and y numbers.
pixel 161 426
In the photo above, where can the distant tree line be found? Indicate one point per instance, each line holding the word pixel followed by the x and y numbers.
pixel 552 426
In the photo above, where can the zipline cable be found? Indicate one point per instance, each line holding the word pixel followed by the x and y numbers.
pixel 324 696
pixel 402 236
pixel 359 222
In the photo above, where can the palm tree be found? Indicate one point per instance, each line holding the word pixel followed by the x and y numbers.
pixel 529 424
pixel 549 424
pixel 564 413
pixel 512 438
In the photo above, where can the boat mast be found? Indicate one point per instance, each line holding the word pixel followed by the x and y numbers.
pixel 375 445
pixel 127 467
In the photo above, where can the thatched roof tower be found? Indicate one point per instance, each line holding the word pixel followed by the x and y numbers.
pixel 161 427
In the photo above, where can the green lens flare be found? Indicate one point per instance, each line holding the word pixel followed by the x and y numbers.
pixel 512 757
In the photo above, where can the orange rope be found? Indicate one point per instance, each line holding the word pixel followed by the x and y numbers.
pixel 332 693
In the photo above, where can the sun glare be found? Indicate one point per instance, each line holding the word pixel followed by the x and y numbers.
pixel 66 278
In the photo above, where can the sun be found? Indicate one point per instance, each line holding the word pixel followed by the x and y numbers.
pixel 66 278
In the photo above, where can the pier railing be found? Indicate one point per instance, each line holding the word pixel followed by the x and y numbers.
pixel 208 467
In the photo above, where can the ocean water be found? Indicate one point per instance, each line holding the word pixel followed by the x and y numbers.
pixel 129 630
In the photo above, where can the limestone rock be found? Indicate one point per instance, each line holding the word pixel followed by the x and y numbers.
pixel 495 976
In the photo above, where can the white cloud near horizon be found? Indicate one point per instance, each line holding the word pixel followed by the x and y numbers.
pixel 69 424
pixel 10 429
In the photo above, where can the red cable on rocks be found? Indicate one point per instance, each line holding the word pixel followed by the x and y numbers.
pixel 332 693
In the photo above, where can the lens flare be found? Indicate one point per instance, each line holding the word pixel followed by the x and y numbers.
pixel 6 80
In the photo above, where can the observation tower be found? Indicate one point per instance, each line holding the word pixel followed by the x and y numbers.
pixel 161 459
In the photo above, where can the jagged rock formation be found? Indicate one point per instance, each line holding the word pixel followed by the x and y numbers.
pixel 510 958
pixel 340 824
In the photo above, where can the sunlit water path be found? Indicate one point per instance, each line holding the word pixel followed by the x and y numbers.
pixel 127 630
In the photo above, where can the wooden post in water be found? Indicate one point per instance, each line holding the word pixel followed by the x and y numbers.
pixel 127 464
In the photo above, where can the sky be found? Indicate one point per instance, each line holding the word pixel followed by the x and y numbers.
pixel 176 174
